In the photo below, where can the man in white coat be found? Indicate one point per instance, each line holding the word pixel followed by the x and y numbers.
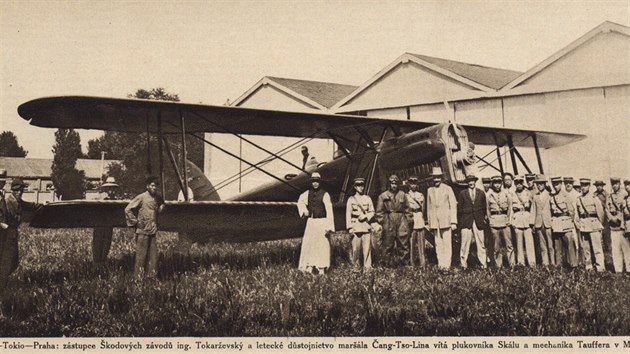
pixel 441 217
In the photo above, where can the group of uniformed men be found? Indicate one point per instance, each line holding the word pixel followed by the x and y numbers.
pixel 514 220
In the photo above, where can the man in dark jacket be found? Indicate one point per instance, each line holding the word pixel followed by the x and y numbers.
pixel 394 215
pixel 472 212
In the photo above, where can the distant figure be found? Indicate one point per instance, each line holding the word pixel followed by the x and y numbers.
pixel 500 216
pixel 316 206
pixel 591 223
pixel 441 217
pixel 523 219
pixel 359 212
pixel 542 221
pixel 102 236
pixel 620 245
pixel 563 220
pixel 304 156
pixel 11 208
pixel 147 206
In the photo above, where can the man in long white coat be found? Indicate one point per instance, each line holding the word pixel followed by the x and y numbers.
pixel 315 205
pixel 441 217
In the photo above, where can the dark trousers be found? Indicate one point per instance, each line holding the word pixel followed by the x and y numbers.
pixel 9 256
pixel 418 243
pixel 101 243
pixel 397 247
pixel 146 255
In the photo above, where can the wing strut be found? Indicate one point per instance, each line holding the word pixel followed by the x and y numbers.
pixel 174 163
pixel 251 142
pixel 540 165
pixel 499 155
pixel 245 161
pixel 160 152
pixel 374 163
pixel 512 156
pixel 184 153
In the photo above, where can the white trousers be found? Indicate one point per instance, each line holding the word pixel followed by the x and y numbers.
pixel 443 247
pixel 620 247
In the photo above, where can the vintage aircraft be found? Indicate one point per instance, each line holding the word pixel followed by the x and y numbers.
pixel 368 147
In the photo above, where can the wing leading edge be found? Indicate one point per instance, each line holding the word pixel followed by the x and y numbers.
pixel 133 115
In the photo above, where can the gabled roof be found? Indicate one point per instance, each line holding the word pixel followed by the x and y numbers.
pixel 321 95
pixel 477 77
pixel 42 168
pixel 605 27
pixel 490 77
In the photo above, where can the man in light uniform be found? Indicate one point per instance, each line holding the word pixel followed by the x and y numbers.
pixel 591 216
pixel 626 210
pixel 542 222
pixel 620 245
pixel 417 207
pixel 563 220
pixel 573 196
pixel 523 218
pixel 359 212
pixel 499 214
pixel 602 195
pixel 441 217
pixel 472 214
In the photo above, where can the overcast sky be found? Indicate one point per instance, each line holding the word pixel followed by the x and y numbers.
pixel 213 51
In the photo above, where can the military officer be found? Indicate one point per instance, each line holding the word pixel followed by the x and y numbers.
pixel 591 217
pixel 359 212
pixel 563 220
pixel 573 195
pixel 620 245
pixel 529 181
pixel 523 218
pixel 417 207
pixel 392 212
pixel 499 215
pixel 602 195
pixel 486 184
pixel 441 217
pixel 626 209
pixel 542 222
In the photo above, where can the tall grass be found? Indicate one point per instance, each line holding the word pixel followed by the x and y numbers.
pixel 254 289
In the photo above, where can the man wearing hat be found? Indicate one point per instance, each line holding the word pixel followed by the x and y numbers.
pixel 394 215
pixel 626 209
pixel 102 236
pixel 529 181
pixel 487 183
pixel 542 221
pixel 523 218
pixel 563 220
pixel 620 245
pixel 573 196
pixel 9 256
pixel 315 205
pixel 472 212
pixel 591 218
pixel 441 217
pixel 417 207
pixel 359 213
pixel 499 216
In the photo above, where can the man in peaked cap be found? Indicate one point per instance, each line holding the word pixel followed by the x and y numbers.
pixel 393 213
pixel 12 215
pixel 529 182
pixel 472 213
pixel 591 216
pixel 359 213
pixel 573 195
pixel 499 216
pixel 626 209
pixel 417 206
pixel 620 245
pixel 542 221
pixel 563 220
pixel 487 183
pixel 441 217
pixel 523 217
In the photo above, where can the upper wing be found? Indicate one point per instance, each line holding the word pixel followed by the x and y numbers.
pixel 133 115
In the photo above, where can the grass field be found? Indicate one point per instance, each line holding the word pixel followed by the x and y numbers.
pixel 254 289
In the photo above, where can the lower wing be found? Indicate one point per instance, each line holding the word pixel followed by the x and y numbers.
pixel 205 220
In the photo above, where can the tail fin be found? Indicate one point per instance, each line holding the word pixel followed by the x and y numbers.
pixel 200 184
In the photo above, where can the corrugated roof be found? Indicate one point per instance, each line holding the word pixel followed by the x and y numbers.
pixel 324 93
pixel 42 168
pixel 491 77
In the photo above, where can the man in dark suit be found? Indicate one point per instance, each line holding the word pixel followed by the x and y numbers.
pixel 472 210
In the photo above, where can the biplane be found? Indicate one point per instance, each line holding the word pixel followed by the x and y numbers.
pixel 368 147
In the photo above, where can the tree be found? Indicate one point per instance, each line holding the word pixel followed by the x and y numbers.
pixel 131 150
pixel 68 181
pixel 9 146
